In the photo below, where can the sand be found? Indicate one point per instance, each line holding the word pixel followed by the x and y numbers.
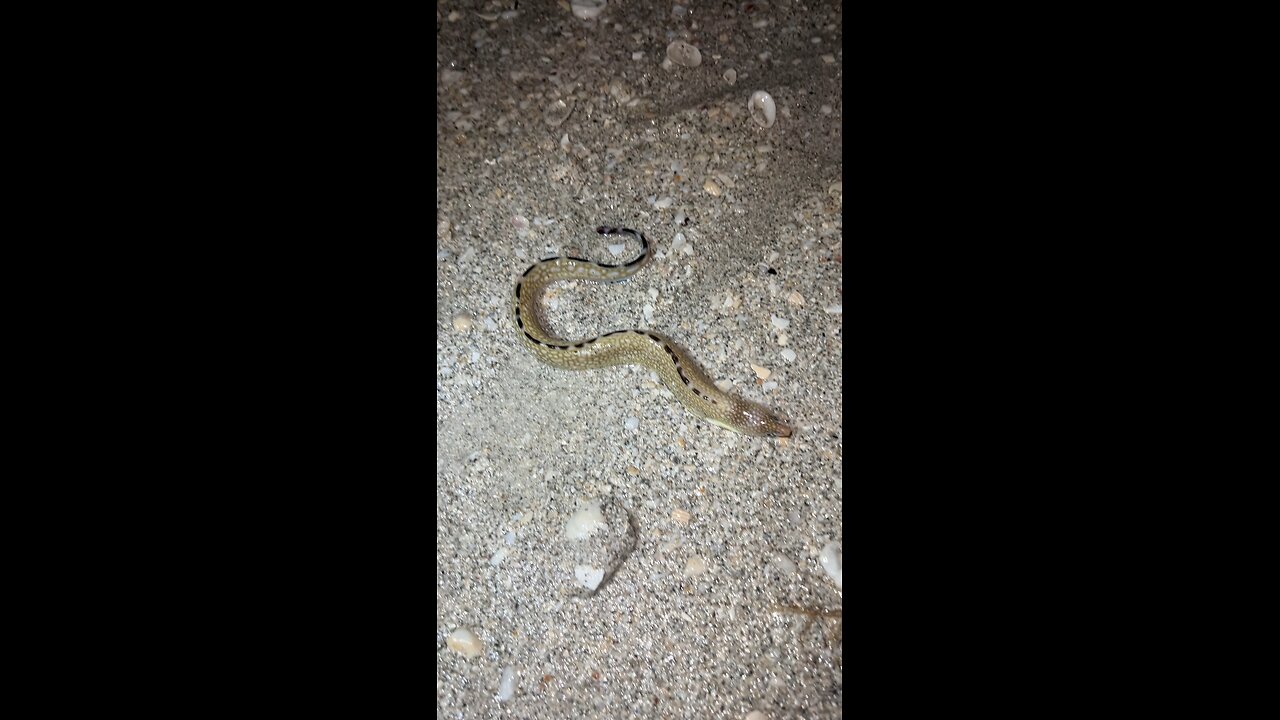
pixel 711 601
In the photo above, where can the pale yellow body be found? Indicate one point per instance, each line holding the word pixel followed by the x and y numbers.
pixel 678 371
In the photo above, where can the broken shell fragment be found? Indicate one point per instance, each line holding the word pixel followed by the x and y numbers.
pixel 556 113
pixel 587 9
pixel 731 76
pixel 465 643
pixel 682 53
pixel 763 110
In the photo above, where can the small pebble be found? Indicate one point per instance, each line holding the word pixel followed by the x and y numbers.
pixel 783 339
pixel 756 715
pixel 769 386
pixel 780 323
pixel 616 250
pixel 835 309
pixel 788 354
pixel 664 202
pixel 680 516
pixel 637 55
pixel 462 322
pixel 795 298
pixel 695 567
pixel 828 58
pixel 731 76
pixel 465 643
pixel 631 423
pixel 490 325
pixel 761 372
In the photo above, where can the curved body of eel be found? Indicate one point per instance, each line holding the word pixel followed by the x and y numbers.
pixel 687 381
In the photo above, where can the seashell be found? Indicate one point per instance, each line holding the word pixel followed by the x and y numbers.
pixel 558 111
pixel 465 643
pixel 682 53
pixel 585 523
pixel 832 560
pixel 588 9
pixel 731 76
pixel 763 110
pixel 695 566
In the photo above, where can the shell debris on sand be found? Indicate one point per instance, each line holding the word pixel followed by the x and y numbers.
pixel 832 560
pixel 682 53
pixel 465 643
pixel 587 9
pixel 463 321
pixel 506 685
pixel 586 522
pixel 763 110
pixel 589 577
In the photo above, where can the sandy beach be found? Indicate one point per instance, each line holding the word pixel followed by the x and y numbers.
pixel 602 552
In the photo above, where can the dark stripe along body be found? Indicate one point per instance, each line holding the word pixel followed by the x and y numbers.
pixel 686 380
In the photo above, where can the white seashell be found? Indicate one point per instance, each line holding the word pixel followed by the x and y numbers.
pixel 711 187
pixel 695 567
pixel 761 372
pixel 832 560
pixel 835 309
pixel 731 76
pixel 677 242
pixel 828 58
pixel 788 354
pixel 585 523
pixel 616 250
pixel 506 685
pixel 780 323
pixel 556 113
pixel 763 110
pixel 795 298
pixel 769 386
pixel 682 53
pixel 756 715
pixel 631 423
pixel 588 576
pixel 664 202
pixel 588 9
pixel 462 322
pixel 465 643
pixel 680 516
